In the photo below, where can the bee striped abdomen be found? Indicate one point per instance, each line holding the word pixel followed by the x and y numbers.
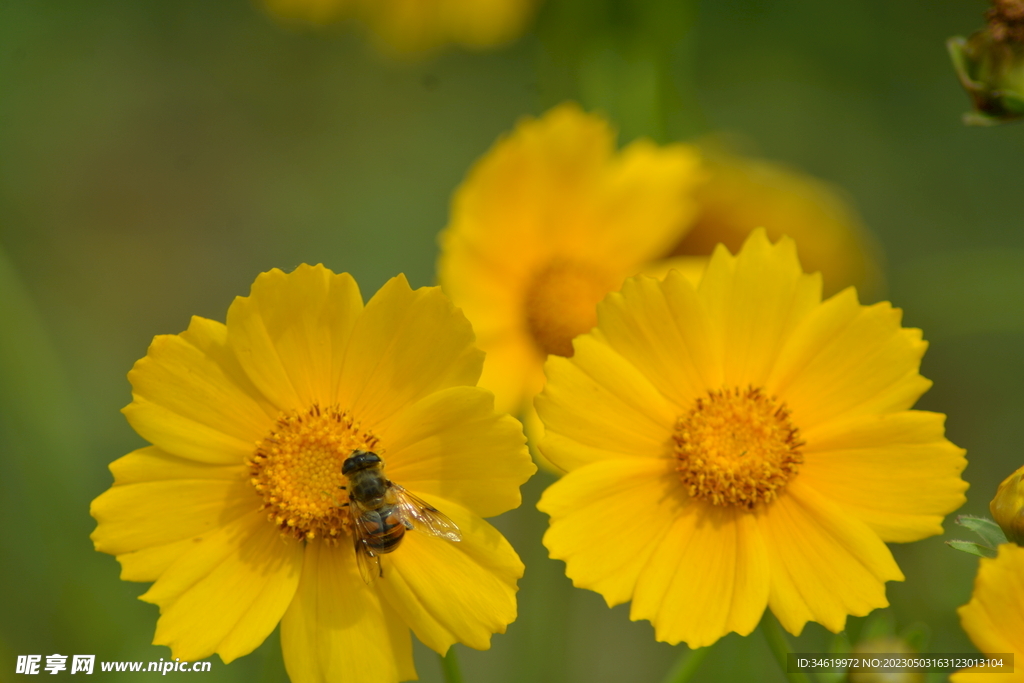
pixel 385 530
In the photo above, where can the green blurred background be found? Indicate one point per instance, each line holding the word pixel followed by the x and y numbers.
pixel 155 155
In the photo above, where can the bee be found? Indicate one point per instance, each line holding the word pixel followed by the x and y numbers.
pixel 382 511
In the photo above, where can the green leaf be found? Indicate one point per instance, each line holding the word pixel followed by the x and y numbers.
pixel 1012 102
pixel 972 548
pixel 974 118
pixel 990 533
pixel 957 46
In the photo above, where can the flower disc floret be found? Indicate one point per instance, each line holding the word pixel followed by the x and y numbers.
pixel 736 448
pixel 297 471
pixel 561 303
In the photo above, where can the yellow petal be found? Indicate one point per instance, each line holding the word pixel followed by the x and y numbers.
pixel 527 193
pixel 489 288
pixel 160 506
pixel 644 202
pixel 597 405
pixel 452 444
pixel 407 344
pixel 149 563
pixel 994 618
pixel 755 300
pixel 709 576
pixel 183 500
pixel 211 337
pixel 228 592
pixel 291 332
pixel 607 518
pixel 415 27
pixel 152 464
pixel 690 267
pixel 191 400
pixel 453 592
pixel 815 548
pixel 663 329
pixel 513 370
pixel 338 629
pixel 895 472
pixel 846 359
pixel 534 430
pixel 486 284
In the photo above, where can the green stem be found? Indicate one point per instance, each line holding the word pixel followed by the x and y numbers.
pixel 450 667
pixel 630 59
pixel 686 665
pixel 779 645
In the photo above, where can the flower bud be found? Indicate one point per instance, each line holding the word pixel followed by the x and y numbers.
pixel 990 65
pixel 1008 507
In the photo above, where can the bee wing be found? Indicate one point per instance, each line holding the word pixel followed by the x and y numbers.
pixel 367 560
pixel 424 516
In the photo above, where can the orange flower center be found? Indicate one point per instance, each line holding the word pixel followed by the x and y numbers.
pixel 736 448
pixel 560 304
pixel 297 471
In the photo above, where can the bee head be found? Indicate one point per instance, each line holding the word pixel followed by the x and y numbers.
pixel 360 460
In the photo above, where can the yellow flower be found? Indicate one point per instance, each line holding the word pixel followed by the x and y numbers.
pixel 743 194
pixel 236 510
pixel 994 617
pixel 410 26
pixel 1007 507
pixel 546 224
pixel 742 444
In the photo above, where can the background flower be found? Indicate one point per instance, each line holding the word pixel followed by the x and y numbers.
pixel 550 220
pixel 235 510
pixel 744 193
pixel 739 445
pixel 409 26
pixel 994 618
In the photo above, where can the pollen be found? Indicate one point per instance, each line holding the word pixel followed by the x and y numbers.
pixel 736 448
pixel 296 469
pixel 560 304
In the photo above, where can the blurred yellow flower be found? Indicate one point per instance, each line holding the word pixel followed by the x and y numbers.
pixel 742 444
pixel 547 223
pixel 236 510
pixel 410 26
pixel 743 194
pixel 1007 507
pixel 994 617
